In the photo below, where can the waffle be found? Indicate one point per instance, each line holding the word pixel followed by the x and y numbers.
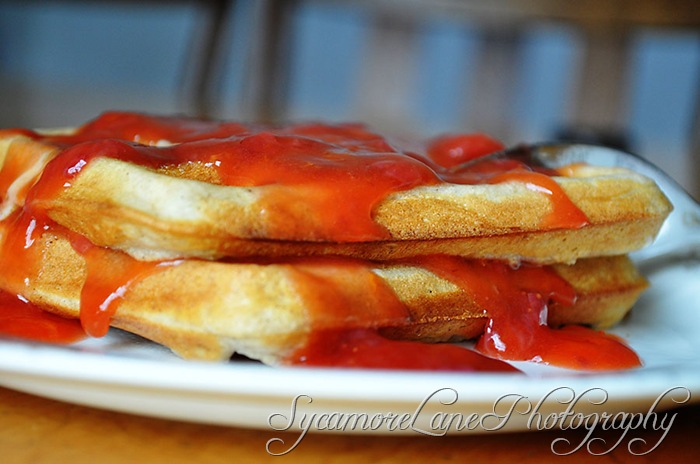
pixel 210 310
pixel 165 213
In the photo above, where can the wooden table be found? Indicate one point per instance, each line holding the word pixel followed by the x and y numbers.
pixel 41 431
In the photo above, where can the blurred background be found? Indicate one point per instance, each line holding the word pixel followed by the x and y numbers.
pixel 621 72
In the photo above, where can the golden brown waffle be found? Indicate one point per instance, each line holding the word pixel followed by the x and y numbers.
pixel 163 214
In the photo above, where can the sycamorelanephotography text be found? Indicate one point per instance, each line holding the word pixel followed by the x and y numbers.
pixel 440 413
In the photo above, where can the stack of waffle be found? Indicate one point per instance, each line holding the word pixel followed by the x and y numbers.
pixel 214 238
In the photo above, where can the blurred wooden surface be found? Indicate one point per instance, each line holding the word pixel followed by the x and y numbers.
pixel 35 430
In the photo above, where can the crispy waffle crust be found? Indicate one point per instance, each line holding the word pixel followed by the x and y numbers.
pixel 209 310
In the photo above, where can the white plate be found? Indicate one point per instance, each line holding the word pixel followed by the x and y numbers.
pixel 124 373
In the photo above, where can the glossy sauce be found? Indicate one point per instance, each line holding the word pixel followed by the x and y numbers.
pixel 365 348
pixel 19 258
pixel 19 318
pixel 343 293
pixel 19 263
pixel 516 302
pixel 18 266
pixel 110 275
pixel 449 151
pixel 564 213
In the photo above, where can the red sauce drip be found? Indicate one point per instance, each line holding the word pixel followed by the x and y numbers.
pixel 19 318
pixel 564 214
pixel 516 304
pixel 110 275
pixel 363 348
pixel 19 258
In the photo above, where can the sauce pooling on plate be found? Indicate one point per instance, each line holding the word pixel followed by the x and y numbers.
pixel 20 318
